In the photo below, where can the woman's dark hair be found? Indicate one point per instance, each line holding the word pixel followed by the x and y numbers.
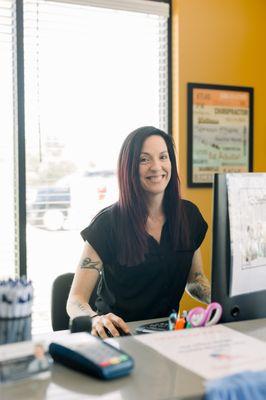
pixel 131 211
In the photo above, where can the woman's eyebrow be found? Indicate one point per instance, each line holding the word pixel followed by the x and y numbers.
pixel 148 154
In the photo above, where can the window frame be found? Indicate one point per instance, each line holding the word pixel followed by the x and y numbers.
pixel 22 242
pixel 21 173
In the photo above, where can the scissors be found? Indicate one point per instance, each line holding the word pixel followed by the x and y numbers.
pixel 200 316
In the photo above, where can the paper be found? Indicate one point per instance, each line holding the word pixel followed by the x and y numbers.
pixel 22 360
pixel 211 352
pixel 247 216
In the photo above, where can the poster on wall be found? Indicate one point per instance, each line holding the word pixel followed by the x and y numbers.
pixel 220 131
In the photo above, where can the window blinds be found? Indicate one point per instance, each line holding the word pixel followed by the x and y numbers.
pixel 143 6
pixel 71 26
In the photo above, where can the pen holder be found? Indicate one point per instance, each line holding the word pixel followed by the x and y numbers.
pixel 15 329
pixel 16 297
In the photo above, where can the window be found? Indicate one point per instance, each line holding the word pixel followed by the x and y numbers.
pixel 93 72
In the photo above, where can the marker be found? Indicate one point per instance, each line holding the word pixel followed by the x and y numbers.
pixel 172 320
pixel 180 323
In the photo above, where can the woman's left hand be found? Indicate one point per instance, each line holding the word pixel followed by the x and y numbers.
pixel 108 322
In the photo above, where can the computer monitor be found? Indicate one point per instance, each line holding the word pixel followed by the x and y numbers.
pixel 250 268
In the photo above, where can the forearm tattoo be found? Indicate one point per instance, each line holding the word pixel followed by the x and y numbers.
pixel 81 306
pixel 88 263
pixel 199 288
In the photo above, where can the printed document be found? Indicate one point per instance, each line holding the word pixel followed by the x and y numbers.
pixel 247 216
pixel 211 352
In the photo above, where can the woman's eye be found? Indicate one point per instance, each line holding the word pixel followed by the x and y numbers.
pixel 164 157
pixel 144 160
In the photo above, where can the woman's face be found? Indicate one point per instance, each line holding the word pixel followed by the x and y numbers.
pixel 154 165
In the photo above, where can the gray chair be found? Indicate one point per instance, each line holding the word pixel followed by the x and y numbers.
pixel 60 290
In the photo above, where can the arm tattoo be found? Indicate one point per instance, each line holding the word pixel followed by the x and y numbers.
pixel 88 263
pixel 198 274
pixel 199 288
pixel 80 305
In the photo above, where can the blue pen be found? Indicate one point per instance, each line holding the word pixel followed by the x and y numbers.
pixel 172 320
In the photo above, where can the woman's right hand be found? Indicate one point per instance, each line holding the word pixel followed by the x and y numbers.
pixel 109 321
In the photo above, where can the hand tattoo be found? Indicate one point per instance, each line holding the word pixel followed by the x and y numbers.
pixel 88 263
pixel 199 288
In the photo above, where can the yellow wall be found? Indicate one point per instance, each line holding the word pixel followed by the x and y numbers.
pixel 219 42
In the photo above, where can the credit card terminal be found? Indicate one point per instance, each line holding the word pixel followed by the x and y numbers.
pixel 91 355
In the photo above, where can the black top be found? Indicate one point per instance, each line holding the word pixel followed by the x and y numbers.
pixel 150 289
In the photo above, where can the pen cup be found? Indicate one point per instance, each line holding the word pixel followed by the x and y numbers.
pixel 16 298
pixel 15 329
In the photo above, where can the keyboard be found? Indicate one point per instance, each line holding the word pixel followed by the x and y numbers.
pixel 153 327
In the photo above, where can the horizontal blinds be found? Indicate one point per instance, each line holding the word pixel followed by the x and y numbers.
pixel 6 21
pixel 71 23
pixel 143 6
pixel 163 74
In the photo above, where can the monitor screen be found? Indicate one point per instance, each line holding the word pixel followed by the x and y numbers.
pixel 239 245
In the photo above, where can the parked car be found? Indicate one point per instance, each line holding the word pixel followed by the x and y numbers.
pixel 73 201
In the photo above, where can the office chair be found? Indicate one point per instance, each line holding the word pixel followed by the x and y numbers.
pixel 60 290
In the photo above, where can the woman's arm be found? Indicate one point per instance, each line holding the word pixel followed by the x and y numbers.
pixel 198 285
pixel 85 279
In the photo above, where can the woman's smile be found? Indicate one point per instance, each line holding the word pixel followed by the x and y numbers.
pixel 156 178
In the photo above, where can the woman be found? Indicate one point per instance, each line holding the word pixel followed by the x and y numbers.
pixel 145 247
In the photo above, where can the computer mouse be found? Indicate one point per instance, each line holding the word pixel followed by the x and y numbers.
pixel 120 331
pixel 123 333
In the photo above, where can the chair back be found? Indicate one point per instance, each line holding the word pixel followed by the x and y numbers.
pixel 60 290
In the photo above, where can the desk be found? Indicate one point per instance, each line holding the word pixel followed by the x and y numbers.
pixel 154 376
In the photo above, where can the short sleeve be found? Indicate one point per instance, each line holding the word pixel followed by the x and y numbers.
pixel 197 224
pixel 98 235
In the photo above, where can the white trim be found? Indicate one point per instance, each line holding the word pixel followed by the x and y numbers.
pixel 142 6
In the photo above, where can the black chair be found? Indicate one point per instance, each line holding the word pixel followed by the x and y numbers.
pixel 60 290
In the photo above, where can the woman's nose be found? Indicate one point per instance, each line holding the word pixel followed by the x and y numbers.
pixel 155 165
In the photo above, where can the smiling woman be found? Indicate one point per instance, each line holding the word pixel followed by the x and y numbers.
pixel 145 247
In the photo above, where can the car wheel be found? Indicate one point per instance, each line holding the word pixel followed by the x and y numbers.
pixel 53 220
